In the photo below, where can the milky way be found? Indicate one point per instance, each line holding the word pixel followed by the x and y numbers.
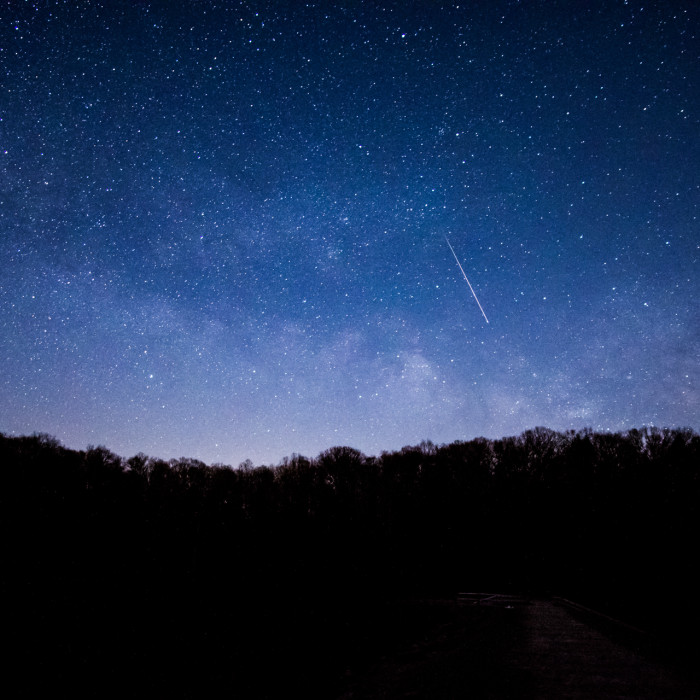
pixel 222 224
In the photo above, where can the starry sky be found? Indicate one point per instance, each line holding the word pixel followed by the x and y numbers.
pixel 224 225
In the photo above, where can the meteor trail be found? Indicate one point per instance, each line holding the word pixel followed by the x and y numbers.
pixel 465 277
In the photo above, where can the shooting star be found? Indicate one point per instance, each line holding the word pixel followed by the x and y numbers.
pixel 465 277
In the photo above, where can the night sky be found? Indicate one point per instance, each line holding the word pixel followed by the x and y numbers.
pixel 224 225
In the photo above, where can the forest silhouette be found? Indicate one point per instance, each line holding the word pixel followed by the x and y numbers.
pixel 181 579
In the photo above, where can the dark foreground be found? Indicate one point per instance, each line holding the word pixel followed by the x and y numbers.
pixel 144 578
pixel 509 647
pixel 472 646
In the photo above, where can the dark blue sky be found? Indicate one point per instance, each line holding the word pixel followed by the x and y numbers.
pixel 223 225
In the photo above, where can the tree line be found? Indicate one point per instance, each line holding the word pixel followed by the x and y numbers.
pixel 180 574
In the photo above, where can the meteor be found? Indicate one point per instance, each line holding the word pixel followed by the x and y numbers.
pixel 465 277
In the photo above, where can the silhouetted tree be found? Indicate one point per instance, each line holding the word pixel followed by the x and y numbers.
pixel 178 570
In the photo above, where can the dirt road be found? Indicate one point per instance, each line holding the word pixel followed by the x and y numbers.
pixel 493 647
